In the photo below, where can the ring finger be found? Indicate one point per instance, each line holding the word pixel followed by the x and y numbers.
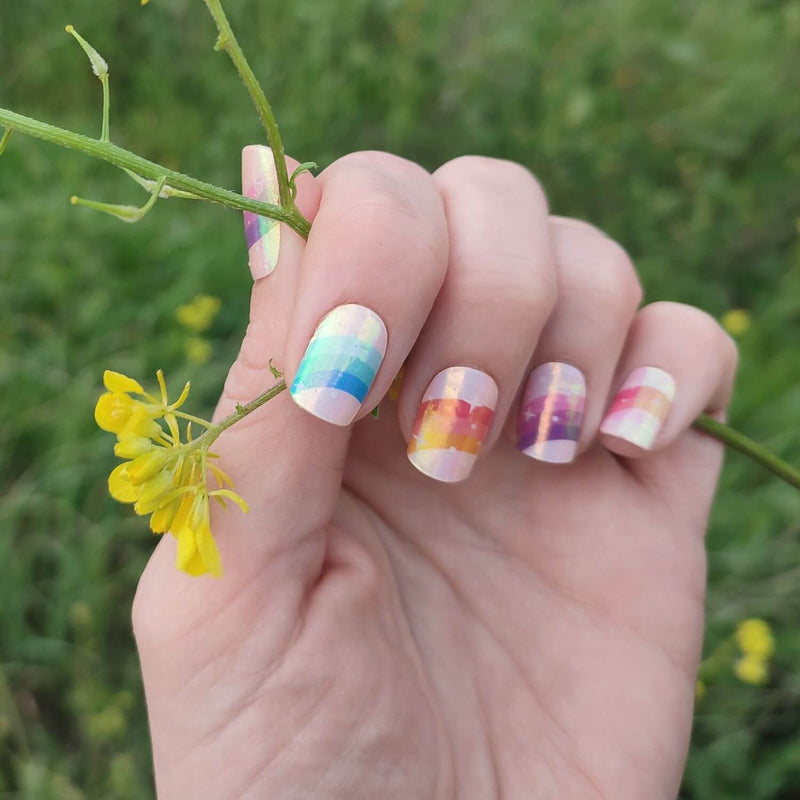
pixel 562 403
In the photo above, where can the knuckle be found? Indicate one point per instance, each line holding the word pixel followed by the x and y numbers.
pixel 611 273
pixel 390 180
pixel 498 174
pixel 569 225
pixel 694 323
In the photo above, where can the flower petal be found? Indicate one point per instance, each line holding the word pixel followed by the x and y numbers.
pixel 152 493
pixel 120 486
pixel 230 495
pixel 208 550
pixel 144 467
pixel 113 411
pixel 117 382
pixel 187 548
pixel 162 517
pixel 133 446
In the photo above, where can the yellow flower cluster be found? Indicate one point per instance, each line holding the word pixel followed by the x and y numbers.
pixel 198 315
pixel 162 475
pixel 736 321
pixel 755 640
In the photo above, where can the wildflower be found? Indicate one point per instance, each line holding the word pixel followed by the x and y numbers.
pixel 198 350
pixel 755 639
pixel 736 321
pixel 198 315
pixel 397 384
pixel 699 690
pixel 163 475
pixel 752 670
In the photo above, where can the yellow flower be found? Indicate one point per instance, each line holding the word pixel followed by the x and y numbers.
pixel 752 670
pixel 699 690
pixel 755 639
pixel 164 476
pixel 736 321
pixel 198 350
pixel 397 384
pixel 198 315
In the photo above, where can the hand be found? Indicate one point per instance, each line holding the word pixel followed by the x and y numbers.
pixel 532 631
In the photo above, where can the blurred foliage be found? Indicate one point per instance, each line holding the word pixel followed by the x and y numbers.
pixel 674 125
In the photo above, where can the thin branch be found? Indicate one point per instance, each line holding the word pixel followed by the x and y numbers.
pixel 227 41
pixel 759 453
pixel 124 159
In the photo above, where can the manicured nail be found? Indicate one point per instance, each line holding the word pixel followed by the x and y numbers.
pixel 340 363
pixel 452 422
pixel 260 182
pixel 640 407
pixel 549 420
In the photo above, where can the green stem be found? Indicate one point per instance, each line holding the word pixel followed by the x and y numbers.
pixel 192 418
pixel 759 453
pixel 4 140
pixel 241 412
pixel 124 159
pixel 105 135
pixel 227 41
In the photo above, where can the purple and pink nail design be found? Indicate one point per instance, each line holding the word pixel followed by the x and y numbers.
pixel 260 182
pixel 640 407
pixel 548 426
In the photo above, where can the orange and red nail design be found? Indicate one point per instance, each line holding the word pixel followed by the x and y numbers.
pixel 452 422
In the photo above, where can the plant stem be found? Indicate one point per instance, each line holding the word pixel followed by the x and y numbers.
pixel 105 135
pixel 738 441
pixel 208 437
pixel 227 41
pixel 124 159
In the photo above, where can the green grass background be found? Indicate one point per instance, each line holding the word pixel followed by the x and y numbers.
pixel 673 124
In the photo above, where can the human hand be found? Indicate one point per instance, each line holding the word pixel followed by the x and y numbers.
pixel 531 631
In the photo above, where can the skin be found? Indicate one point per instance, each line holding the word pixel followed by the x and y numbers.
pixel 534 631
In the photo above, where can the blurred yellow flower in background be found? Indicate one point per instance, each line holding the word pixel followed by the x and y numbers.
pixel 755 638
pixel 736 321
pixel 752 670
pixel 198 315
pixel 198 350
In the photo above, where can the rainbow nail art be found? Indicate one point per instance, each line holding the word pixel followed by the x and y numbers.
pixel 340 363
pixel 260 182
pixel 640 407
pixel 549 420
pixel 452 422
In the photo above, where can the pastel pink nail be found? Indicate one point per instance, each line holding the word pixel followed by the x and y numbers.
pixel 640 407
pixel 260 182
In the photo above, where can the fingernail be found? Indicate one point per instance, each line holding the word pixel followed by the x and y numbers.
pixel 549 420
pixel 260 182
pixel 340 363
pixel 640 407
pixel 452 422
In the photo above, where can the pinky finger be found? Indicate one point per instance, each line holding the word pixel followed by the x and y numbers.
pixel 678 362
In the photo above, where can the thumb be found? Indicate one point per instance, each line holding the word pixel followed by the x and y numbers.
pixel 270 453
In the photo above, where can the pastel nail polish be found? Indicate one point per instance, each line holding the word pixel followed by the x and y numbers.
pixel 340 363
pixel 260 182
pixel 640 407
pixel 452 422
pixel 549 420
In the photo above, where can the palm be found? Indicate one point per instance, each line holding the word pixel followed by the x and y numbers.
pixel 533 632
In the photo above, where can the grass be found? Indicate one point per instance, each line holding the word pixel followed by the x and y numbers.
pixel 673 125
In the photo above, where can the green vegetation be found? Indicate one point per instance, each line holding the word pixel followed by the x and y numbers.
pixel 673 125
